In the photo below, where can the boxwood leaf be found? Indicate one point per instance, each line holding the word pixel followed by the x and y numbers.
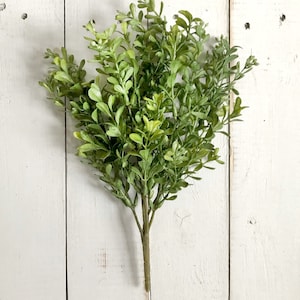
pixel 136 138
pixel 113 131
pixel 103 107
pixel 95 93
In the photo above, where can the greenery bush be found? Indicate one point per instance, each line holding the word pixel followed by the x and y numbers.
pixel 148 120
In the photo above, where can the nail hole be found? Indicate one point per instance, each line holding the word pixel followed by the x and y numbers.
pixel 252 221
pixel 24 16
pixel 247 25
pixel 282 17
pixel 2 6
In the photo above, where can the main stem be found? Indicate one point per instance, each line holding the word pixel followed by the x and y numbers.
pixel 146 244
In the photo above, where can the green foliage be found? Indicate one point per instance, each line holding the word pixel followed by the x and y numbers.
pixel 148 120
pixel 152 113
pixel 160 98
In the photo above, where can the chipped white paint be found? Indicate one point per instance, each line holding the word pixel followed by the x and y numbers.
pixel 189 238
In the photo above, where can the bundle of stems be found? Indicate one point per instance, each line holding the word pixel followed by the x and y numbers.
pixel 147 121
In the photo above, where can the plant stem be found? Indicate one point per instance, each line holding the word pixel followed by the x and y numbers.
pixel 151 218
pixel 146 244
pixel 137 222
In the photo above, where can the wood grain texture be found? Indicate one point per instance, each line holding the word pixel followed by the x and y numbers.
pixel 189 240
pixel 32 257
pixel 265 177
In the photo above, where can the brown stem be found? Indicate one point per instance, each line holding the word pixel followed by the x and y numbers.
pixel 146 244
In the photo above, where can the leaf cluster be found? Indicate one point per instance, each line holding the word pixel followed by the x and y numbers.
pixel 147 121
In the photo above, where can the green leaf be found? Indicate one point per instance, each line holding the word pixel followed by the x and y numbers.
pixel 131 53
pixel 124 26
pixel 112 80
pixel 119 89
pixel 172 198
pixel 94 115
pixel 128 85
pixel 132 9
pixel 63 65
pixel 63 77
pixel 76 88
pixel 113 131
pixel 90 147
pixel 119 113
pixel 86 106
pixel 45 85
pixel 95 93
pixel 137 172
pixel 153 125
pixel 111 101
pixel 103 107
pixel 77 135
pixel 108 169
pixel 199 115
pixel 182 23
pixel 237 108
pixel 187 14
pixel 136 138
pixel 128 74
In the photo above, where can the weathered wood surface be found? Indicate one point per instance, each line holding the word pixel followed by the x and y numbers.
pixel 32 219
pixel 265 177
pixel 189 238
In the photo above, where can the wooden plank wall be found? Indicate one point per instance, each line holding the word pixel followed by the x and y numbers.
pixel 265 173
pixel 32 170
pixel 52 205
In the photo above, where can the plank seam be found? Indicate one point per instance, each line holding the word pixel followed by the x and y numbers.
pixel 229 171
pixel 66 171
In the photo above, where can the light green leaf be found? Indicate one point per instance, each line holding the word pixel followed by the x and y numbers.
pixel 88 147
pixel 63 77
pixel 56 60
pixel 128 74
pixel 136 138
pixel 131 53
pixel 169 156
pixel 108 169
pixel 112 80
pixel 119 89
pixel 95 93
pixel 111 101
pixel 64 66
pixel 77 135
pixel 113 131
pixel 128 85
pixel 172 198
pixel 86 106
pixel 124 26
pixel 153 125
pixel 199 115
pixel 94 115
pixel 119 113
pixel 103 107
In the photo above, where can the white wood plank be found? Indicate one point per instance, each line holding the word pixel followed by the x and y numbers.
pixel 32 257
pixel 189 237
pixel 265 163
